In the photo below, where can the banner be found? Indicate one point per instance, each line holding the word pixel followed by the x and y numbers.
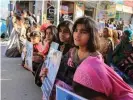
pixel 10 7
pixel 29 55
pixel 52 62
pixel 111 11
pixel 128 3
pixel 79 9
pixel 117 1
pixel 63 94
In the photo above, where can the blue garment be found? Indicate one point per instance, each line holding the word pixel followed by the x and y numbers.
pixel 10 25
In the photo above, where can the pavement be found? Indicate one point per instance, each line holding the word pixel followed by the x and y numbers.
pixel 16 82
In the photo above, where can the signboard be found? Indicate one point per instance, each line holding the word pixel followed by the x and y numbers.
pixel 10 7
pixel 29 55
pixel 102 14
pixel 111 11
pixel 128 3
pixel 52 62
pixel 79 9
pixel 50 12
pixel 63 94
pixel 117 1
pixel 68 16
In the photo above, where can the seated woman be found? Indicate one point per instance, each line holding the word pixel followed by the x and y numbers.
pixel 115 38
pixel 122 56
pixel 107 45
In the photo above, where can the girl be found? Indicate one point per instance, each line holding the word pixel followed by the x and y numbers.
pixel 65 41
pixel 50 36
pixel 93 79
pixel 65 36
pixel 35 38
pixel 23 55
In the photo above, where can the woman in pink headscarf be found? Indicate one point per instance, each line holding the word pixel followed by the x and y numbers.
pixel 94 80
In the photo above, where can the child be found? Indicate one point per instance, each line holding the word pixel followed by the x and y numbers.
pixel 28 31
pixel 65 40
pixel 35 38
pixel 50 36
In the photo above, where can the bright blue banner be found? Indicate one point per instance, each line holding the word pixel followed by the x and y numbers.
pixel 118 1
pixel 63 94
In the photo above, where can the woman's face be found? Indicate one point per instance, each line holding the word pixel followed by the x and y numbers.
pixel 105 32
pixel 81 36
pixel 124 36
pixel 49 35
pixel 64 34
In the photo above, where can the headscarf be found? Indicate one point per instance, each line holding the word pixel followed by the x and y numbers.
pixel 96 75
pixel 129 34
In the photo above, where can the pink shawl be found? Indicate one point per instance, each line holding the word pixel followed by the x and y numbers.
pixel 96 75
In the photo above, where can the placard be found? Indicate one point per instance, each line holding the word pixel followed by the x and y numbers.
pixel 52 62
pixel 63 94
pixel 29 55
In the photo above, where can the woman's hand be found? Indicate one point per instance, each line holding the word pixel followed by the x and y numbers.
pixel 70 62
pixel 43 73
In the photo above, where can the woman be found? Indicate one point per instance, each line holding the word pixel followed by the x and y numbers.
pixel 115 38
pixel 123 51
pixel 108 45
pixel 18 37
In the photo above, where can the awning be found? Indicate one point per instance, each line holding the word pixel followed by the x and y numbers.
pixel 127 9
pixel 119 7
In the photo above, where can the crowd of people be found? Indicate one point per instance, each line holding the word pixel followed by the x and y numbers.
pixel 95 66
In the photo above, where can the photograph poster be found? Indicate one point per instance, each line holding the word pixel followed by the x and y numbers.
pixel 52 62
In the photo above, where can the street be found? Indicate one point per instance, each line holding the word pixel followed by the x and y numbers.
pixel 16 82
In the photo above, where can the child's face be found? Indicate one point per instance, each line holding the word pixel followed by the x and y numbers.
pixel 35 39
pixel 80 35
pixel 18 22
pixel 49 35
pixel 64 34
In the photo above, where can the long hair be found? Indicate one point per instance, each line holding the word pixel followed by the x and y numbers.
pixel 69 25
pixel 54 33
pixel 92 30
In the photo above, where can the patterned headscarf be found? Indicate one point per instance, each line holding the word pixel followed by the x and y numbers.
pixel 95 74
